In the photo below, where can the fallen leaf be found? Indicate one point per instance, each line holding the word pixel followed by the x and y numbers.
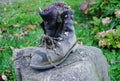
pixel 76 22
pixel 25 33
pixel 8 71
pixel 112 61
pixel 11 36
pixel 80 43
pixel 16 25
pixel 86 10
pixel 1 36
pixel 0 31
pixel 2 49
pixel 30 27
pixel 18 35
pixel 11 59
pixel 12 48
pixel 91 2
pixel 83 6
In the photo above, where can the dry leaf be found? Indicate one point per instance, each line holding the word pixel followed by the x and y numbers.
pixel 91 2
pixel 0 31
pixel 1 36
pixel 12 48
pixel 2 49
pixel 30 27
pixel 25 33
pixel 11 36
pixel 86 10
pixel 81 43
pixel 83 6
pixel 11 59
pixel 78 23
pixel 16 25
pixel 8 71
pixel 18 35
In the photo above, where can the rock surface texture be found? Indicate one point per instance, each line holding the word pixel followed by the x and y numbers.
pixel 85 64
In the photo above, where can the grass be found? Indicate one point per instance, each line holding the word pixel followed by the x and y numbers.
pixel 19 27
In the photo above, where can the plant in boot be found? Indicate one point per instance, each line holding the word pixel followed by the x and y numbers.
pixel 59 37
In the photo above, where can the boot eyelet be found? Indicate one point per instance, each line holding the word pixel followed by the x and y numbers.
pixel 59 43
pixel 60 38
pixel 66 16
pixel 66 33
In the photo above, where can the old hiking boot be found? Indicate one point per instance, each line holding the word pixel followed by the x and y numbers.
pixel 59 38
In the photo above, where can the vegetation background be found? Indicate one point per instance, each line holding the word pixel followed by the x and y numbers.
pixel 97 23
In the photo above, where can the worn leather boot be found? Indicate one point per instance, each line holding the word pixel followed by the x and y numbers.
pixel 59 39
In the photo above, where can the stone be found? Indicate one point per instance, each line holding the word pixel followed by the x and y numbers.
pixel 87 63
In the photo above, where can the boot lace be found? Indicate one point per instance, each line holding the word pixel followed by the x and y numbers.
pixel 50 43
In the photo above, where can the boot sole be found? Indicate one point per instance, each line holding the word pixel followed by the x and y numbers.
pixel 46 67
